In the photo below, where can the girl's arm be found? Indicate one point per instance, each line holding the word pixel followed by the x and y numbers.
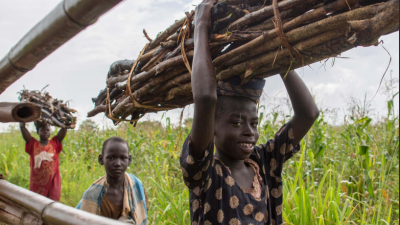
pixel 61 134
pixel 25 133
pixel 306 111
pixel 204 83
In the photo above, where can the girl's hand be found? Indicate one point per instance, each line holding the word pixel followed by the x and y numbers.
pixel 203 13
pixel 22 124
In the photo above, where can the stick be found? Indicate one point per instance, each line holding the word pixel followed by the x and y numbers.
pixel 327 24
pixel 159 80
pixel 185 78
pixel 98 110
pixel 160 68
pixel 182 90
pixel 164 35
pixel 265 13
pixel 147 36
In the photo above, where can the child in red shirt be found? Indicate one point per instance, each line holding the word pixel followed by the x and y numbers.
pixel 45 173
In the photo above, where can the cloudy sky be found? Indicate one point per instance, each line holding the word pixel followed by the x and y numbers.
pixel 78 69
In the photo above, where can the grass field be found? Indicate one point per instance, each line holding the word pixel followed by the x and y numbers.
pixel 346 174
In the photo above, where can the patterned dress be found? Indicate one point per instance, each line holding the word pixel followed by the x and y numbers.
pixel 45 173
pixel 215 197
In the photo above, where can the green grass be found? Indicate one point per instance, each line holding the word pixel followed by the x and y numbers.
pixel 347 174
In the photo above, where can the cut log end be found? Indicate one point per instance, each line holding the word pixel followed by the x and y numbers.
pixel 19 112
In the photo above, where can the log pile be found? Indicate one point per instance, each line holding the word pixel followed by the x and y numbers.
pixel 249 39
pixel 54 112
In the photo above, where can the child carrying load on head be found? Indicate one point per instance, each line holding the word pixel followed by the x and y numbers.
pixel 44 162
pixel 118 195
pixel 239 183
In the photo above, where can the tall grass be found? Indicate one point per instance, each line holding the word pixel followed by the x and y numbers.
pixel 346 174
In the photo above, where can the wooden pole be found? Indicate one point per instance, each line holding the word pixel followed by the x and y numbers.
pixel 20 206
pixel 68 19
pixel 19 112
pixel 12 213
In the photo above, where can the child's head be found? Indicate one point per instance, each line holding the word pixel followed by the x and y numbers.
pixel 43 129
pixel 115 156
pixel 236 118
pixel 236 121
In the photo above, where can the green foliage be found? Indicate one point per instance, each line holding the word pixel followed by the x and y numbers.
pixel 88 126
pixel 344 175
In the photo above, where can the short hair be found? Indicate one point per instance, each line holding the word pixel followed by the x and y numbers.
pixel 222 104
pixel 114 140
pixel 40 124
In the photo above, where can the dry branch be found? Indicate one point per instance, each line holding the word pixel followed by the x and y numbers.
pixel 248 39
pixel 12 213
pixel 301 32
pixel 168 32
pixel 266 12
pixel 185 78
pixel 54 112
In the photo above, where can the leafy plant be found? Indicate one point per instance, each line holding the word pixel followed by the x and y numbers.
pixel 347 174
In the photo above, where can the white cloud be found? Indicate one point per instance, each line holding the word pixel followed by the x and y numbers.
pixel 325 89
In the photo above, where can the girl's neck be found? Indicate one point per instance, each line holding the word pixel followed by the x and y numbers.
pixel 116 183
pixel 44 142
pixel 228 161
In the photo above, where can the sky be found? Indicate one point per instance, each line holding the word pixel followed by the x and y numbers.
pixel 77 70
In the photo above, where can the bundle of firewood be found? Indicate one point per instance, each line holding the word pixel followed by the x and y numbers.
pixel 249 39
pixel 54 112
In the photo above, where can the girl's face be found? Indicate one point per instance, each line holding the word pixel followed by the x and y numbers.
pixel 115 159
pixel 44 132
pixel 236 132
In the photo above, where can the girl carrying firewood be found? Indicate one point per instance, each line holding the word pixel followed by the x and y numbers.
pixel 239 183
pixel 45 172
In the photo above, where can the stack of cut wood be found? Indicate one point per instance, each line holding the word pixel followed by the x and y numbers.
pixel 54 112
pixel 249 39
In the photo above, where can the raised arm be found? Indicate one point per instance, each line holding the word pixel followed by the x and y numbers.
pixel 204 82
pixel 306 111
pixel 25 133
pixel 61 134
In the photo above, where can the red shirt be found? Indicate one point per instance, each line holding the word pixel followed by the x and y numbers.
pixel 45 172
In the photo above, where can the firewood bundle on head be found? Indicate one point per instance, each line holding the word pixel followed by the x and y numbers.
pixel 249 39
pixel 54 112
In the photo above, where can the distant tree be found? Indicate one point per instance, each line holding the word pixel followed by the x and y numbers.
pixel 88 126
pixel 153 125
pixel 142 125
